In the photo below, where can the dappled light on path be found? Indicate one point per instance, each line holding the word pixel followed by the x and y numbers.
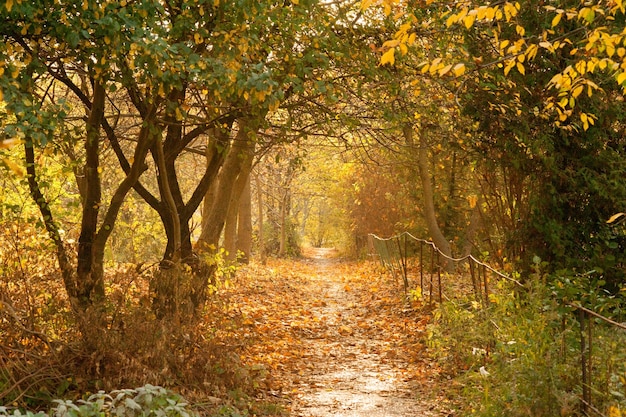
pixel 337 339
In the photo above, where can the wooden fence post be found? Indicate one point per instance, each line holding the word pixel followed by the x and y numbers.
pixel 422 267
pixel 583 356
pixel 439 276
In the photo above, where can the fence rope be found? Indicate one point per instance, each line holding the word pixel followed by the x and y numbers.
pixel 449 258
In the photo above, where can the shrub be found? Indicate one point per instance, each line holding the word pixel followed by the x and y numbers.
pixel 511 362
pixel 146 401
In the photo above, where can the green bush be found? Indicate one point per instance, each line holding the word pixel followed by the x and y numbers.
pixel 508 358
pixel 146 401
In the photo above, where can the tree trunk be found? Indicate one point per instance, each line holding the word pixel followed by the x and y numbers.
pixel 90 284
pixel 67 271
pixel 168 198
pixel 234 216
pixel 427 192
pixel 236 160
pixel 472 228
pixel 282 249
pixel 260 214
pixel 230 234
pixel 244 225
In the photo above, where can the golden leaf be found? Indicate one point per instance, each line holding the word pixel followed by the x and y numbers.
pixel 411 40
pixel 576 92
pixel 481 12
pixel 8 143
pixel 459 69
pixel 613 410
pixel 610 48
pixel 615 217
pixel 391 43
pixel 365 4
pixel 531 52
pixel 8 5
pixel 445 70
pixel 469 21
pixel 17 170
pixel 509 67
pixel 388 57
pixel 556 19
pixel 451 20
pixel 584 119
pixel 621 78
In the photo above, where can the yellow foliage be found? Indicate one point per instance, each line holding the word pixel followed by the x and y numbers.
pixel 443 71
pixel 576 91
pixel 391 43
pixel 459 69
pixel 615 412
pixel 472 200
pixel 17 170
pixel 388 57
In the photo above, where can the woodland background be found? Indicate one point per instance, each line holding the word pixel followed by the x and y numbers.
pixel 147 147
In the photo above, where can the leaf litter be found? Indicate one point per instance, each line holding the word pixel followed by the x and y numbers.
pixel 332 337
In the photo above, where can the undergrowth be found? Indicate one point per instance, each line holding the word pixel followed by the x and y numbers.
pixel 44 356
pixel 520 355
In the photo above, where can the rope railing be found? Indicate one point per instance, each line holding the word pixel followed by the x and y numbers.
pixel 396 253
pixel 449 258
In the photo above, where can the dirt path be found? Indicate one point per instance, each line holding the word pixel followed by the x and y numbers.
pixel 356 374
pixel 351 348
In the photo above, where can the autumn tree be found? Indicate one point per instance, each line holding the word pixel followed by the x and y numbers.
pixel 543 83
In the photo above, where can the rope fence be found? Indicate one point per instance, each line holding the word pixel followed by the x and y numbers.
pixel 418 260
pixel 404 252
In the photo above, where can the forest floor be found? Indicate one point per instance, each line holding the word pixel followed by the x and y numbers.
pixel 337 338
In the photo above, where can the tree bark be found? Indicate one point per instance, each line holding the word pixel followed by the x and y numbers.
pixel 430 214
pixel 90 282
pixel 244 224
pixel 236 160
pixel 146 137
pixel 230 234
pixel 171 208
pixel 260 214
pixel 67 271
